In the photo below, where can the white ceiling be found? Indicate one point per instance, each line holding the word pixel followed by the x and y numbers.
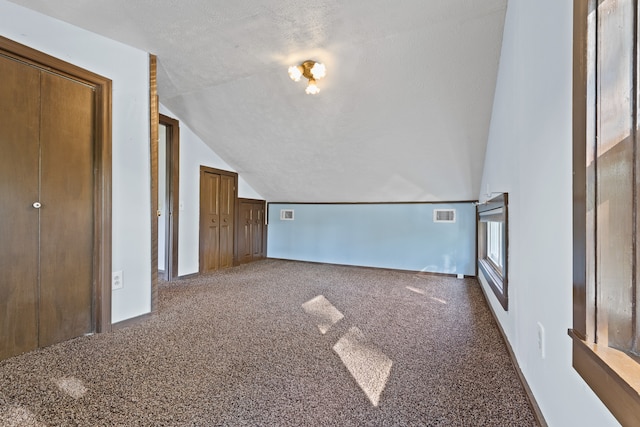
pixel 403 114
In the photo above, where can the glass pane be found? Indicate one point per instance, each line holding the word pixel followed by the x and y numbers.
pixel 494 243
pixel 614 174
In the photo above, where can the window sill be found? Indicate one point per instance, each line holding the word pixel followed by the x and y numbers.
pixel 612 375
pixel 495 281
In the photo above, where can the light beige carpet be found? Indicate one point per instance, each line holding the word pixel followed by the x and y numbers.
pixel 278 343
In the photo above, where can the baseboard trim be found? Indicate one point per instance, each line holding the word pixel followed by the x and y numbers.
pixel 397 270
pixel 198 274
pixel 130 322
pixel 532 400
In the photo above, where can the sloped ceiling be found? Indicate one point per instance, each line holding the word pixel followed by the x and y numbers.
pixel 403 114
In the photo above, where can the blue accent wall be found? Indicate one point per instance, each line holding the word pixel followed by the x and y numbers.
pixel 397 236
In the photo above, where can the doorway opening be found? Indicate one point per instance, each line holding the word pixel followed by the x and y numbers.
pixel 168 197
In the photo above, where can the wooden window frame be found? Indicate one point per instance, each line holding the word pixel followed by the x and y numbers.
pixel 612 374
pixel 498 279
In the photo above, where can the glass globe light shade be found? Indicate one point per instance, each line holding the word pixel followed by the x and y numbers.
pixel 319 70
pixel 295 73
pixel 312 88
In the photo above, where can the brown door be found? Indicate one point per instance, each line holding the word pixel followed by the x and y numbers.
pixel 251 234
pixel 227 212
pixel 66 215
pixel 209 221
pixel 245 240
pixel 19 145
pixel 217 210
pixel 258 230
pixel 46 187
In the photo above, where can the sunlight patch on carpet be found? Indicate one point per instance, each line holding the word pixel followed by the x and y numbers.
pixel 72 386
pixel 421 292
pixel 368 365
pixel 15 416
pixel 324 313
pixel 416 290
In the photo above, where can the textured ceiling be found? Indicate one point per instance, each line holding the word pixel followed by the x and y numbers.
pixel 403 114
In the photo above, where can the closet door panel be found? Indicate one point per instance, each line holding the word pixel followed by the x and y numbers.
pixel 258 231
pixel 19 105
pixel 209 222
pixel 245 229
pixel 66 266
pixel 227 213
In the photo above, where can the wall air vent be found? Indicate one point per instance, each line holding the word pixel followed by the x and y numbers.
pixel 444 215
pixel 286 214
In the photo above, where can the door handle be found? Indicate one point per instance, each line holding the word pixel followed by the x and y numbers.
pixel 37 205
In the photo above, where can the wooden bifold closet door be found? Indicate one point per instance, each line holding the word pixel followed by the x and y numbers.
pixel 217 214
pixel 46 213
pixel 251 230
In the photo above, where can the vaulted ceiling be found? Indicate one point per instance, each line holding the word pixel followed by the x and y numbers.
pixel 403 113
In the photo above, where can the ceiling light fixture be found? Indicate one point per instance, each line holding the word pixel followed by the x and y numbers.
pixel 312 71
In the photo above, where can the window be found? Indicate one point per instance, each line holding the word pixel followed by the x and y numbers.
pixel 606 214
pixel 493 244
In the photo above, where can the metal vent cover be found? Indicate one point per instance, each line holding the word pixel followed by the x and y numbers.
pixel 286 215
pixel 444 215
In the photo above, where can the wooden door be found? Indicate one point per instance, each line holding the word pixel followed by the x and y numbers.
pixel 46 187
pixel 245 238
pixel 209 221
pixel 258 230
pixel 66 215
pixel 227 212
pixel 251 234
pixel 217 224
pixel 19 144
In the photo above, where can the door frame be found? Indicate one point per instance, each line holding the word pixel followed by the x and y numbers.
pixel 102 220
pixel 154 124
pixel 172 196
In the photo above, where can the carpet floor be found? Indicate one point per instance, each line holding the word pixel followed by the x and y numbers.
pixel 282 343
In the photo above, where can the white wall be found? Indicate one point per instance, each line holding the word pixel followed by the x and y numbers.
pixel 529 156
pixel 128 69
pixel 193 154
